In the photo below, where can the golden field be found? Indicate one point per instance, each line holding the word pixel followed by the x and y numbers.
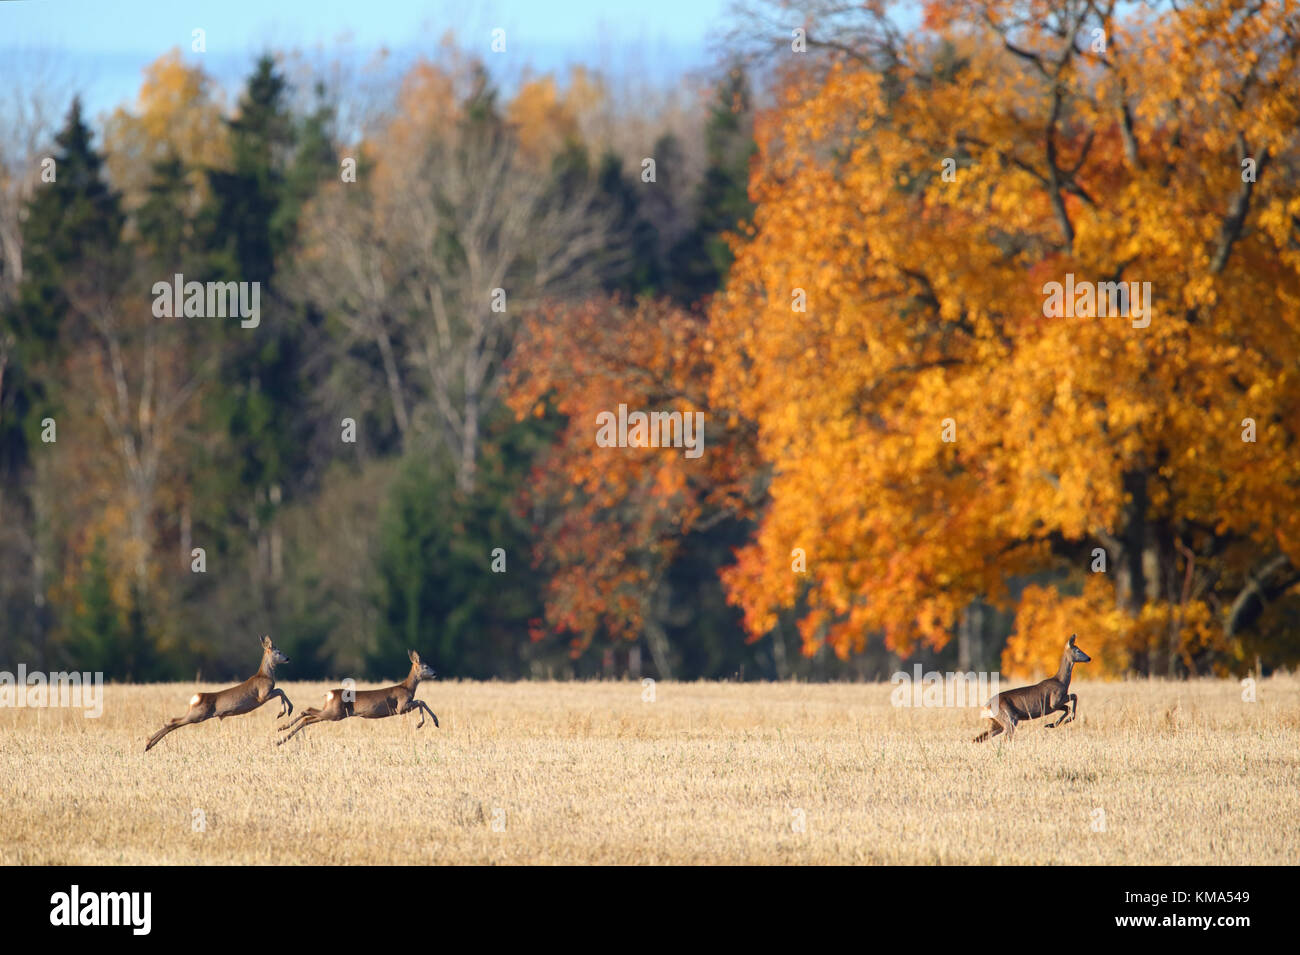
pixel 1185 773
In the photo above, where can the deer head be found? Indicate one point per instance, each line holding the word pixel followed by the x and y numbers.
pixel 273 651
pixel 422 670
pixel 1077 655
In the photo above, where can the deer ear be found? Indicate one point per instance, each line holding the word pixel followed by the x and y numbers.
pixel 1072 636
pixel 266 642
pixel 415 657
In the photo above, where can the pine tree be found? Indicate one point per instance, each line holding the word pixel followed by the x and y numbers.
pixel 437 590
pixel 165 231
pixel 96 628
pixel 635 268
pixel 700 261
pixel 73 227
pixel 249 227
pixel 70 233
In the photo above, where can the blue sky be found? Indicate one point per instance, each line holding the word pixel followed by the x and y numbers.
pixel 102 45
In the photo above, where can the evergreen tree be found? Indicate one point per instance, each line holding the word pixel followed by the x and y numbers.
pixel 635 268
pixel 249 229
pixel 72 228
pixel 247 233
pixel 166 233
pixel 70 234
pixel 96 629
pixel 701 259
pixel 437 589
pixel 250 224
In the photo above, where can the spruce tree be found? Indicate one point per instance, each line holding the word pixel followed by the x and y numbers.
pixel 700 261
pixel 72 229
pixel 248 228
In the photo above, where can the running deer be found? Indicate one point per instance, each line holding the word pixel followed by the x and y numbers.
pixel 248 696
pixel 1031 702
pixel 369 704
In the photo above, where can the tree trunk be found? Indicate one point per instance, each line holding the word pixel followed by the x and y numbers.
pixel 778 653
pixel 657 640
pixel 1131 572
pixel 467 472
pixel 970 638
pixel 187 535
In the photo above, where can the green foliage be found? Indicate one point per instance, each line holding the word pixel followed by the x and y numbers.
pixel 70 235
pixel 96 627
pixel 436 590
pixel 700 261
pixel 637 270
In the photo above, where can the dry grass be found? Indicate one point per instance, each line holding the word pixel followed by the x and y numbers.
pixel 1186 773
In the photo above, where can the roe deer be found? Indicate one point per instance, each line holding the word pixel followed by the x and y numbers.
pixel 249 695
pixel 369 704
pixel 1030 702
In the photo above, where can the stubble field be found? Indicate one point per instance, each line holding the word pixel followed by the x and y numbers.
pixel 1150 773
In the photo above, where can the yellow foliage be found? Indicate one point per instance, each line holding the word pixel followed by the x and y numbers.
pixel 177 112
pixel 926 302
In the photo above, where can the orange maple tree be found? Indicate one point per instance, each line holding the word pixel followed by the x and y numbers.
pixel 932 433
pixel 612 518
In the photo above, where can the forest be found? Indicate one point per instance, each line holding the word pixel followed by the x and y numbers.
pixel 419 288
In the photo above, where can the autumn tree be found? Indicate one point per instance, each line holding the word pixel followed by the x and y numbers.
pixel 935 426
pixel 613 519
pixel 177 116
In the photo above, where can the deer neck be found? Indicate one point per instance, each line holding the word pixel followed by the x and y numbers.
pixel 1067 668
pixel 267 669
pixel 412 679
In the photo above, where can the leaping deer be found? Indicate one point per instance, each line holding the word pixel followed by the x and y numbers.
pixel 369 704
pixel 244 698
pixel 1031 702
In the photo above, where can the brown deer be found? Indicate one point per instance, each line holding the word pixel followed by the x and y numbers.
pixel 1005 710
pixel 248 696
pixel 369 704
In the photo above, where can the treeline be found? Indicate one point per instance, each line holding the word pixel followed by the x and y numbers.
pixel 905 452
pixel 345 474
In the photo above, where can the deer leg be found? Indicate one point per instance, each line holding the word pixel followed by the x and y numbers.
pixel 172 724
pixel 310 711
pixel 307 720
pixel 412 705
pixel 1064 711
pixel 424 708
pixel 286 708
pixel 994 729
pixel 1074 709
pixel 1009 723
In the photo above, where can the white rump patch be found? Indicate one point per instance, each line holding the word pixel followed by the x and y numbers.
pixel 329 696
pixel 194 699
